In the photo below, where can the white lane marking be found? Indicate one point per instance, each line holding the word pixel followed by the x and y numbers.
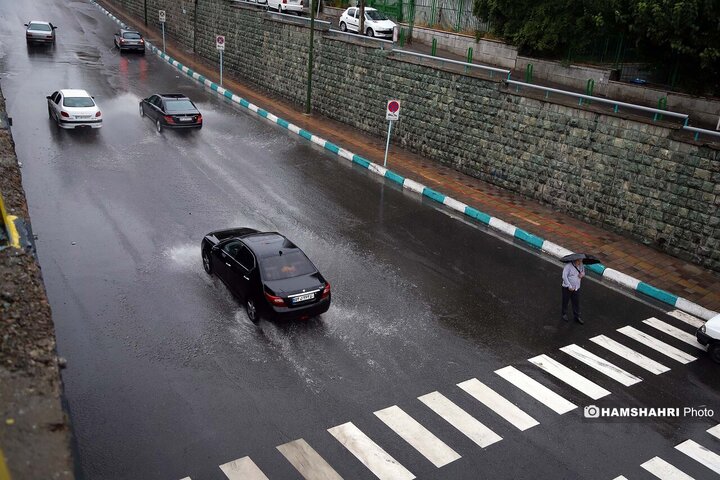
pixel 630 355
pixel 687 318
pixel 536 390
pixel 503 226
pixel 414 186
pixel 674 332
pixel 460 419
pixel 574 379
pixel 498 404
pixel 307 461
pixel 601 365
pixel 419 437
pixel 700 454
pixel 664 471
pixel 621 477
pixel 655 344
pixel 377 460
pixel 242 469
pixel 186 478
pixel 714 431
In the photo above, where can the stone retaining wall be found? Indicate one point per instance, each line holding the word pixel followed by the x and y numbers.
pixel 632 177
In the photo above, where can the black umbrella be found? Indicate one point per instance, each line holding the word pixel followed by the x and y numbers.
pixel 586 259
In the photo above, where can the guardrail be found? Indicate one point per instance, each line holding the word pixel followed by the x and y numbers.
pixel 363 37
pixel 455 62
pixel 698 131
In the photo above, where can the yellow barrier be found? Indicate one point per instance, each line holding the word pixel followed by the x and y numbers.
pixel 9 222
pixel 4 473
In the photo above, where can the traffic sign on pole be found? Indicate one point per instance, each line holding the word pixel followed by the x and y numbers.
pixel 393 110
pixel 162 16
pixel 220 42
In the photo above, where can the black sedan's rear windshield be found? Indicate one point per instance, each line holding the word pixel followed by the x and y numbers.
pixel 182 105
pixel 287 265
pixel 43 27
pixel 78 102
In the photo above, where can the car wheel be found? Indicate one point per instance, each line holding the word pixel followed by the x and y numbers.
pixel 142 110
pixel 207 266
pixel 714 351
pixel 369 32
pixel 158 126
pixel 251 309
pixel 343 27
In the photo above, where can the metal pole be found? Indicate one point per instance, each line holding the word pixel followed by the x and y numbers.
pixel 163 33
pixel 221 65
pixel 387 145
pixel 318 9
pixel 308 104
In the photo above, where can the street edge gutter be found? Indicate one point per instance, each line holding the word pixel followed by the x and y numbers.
pixel 508 229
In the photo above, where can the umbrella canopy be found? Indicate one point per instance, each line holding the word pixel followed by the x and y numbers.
pixel 586 259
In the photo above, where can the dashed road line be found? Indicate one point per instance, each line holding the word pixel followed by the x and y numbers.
pixel 655 344
pixel 630 355
pixel 498 404
pixel 536 390
pixel 601 365
pixel 377 460
pixel 419 437
pixel 572 378
pixel 460 419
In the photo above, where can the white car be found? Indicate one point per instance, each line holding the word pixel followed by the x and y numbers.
pixel 709 335
pixel 38 31
pixel 74 109
pixel 376 23
pixel 284 6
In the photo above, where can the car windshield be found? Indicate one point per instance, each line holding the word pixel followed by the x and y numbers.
pixel 39 26
pixel 182 105
pixel 78 102
pixel 131 35
pixel 375 15
pixel 287 265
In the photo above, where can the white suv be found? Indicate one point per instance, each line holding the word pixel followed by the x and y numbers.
pixel 284 6
pixel 376 23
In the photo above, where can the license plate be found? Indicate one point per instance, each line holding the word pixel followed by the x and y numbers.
pixel 82 116
pixel 302 298
pixel 185 119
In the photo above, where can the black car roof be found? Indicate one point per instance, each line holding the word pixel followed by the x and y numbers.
pixel 266 244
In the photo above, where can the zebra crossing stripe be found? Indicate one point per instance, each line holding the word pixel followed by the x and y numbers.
pixel 621 477
pixel 377 460
pixel 674 332
pixel 419 437
pixel 655 344
pixel 601 365
pixel 536 390
pixel 630 355
pixel 460 419
pixel 307 461
pixel 700 454
pixel 498 404
pixel 665 471
pixel 687 318
pixel 242 469
pixel 715 431
pixel 574 379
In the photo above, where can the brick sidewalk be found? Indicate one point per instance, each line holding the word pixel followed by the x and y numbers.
pixel 628 256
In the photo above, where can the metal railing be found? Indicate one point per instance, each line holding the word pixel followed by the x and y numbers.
pixel 698 131
pixel 362 37
pixel 455 62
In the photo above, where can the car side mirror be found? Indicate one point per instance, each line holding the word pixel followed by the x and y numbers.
pixel 92 97
pixel 48 97
pixel 25 24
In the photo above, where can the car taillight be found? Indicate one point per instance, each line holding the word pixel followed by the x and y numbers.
pixel 326 290
pixel 284 1
pixel 64 114
pixel 199 118
pixel 142 41
pixel 277 301
pixel 169 119
pixel 98 114
pixel 122 40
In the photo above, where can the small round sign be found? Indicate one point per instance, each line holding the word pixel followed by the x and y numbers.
pixel 220 39
pixel 393 106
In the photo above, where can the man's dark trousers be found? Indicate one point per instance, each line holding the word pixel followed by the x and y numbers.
pixel 574 297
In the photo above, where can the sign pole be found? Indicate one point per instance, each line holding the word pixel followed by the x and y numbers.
pixel 163 35
pixel 387 145
pixel 221 62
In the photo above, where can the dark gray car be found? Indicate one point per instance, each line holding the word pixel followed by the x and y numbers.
pixel 129 41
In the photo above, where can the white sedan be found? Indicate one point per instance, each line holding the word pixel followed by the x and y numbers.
pixel 74 109
pixel 376 23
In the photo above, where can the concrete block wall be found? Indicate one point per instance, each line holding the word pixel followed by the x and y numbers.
pixel 625 175
pixel 484 51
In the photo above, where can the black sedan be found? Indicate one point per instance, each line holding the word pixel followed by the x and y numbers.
pixel 171 110
pixel 268 272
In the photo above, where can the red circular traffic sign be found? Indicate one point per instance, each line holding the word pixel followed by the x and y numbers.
pixel 220 39
pixel 393 106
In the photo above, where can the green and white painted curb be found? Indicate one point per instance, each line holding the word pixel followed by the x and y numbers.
pixel 510 230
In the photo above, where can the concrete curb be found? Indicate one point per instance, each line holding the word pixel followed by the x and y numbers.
pixel 508 229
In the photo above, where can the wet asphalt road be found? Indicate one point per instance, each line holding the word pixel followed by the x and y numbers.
pixel 167 378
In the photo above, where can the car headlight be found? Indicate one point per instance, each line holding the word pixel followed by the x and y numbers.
pixel 702 329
